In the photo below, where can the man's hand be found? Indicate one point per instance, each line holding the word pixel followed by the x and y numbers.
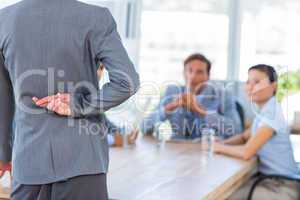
pixel 59 103
pixel 4 167
pixel 183 100
pixel 43 102
pixel 172 106
pixel 189 102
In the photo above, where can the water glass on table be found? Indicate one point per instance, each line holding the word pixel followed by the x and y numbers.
pixel 208 139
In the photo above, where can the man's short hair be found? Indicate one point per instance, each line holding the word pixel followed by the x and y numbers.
pixel 200 57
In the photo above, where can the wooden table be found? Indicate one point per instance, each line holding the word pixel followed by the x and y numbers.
pixel 173 171
pixel 4 193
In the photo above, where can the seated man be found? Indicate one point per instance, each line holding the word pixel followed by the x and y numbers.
pixel 176 105
pixel 192 107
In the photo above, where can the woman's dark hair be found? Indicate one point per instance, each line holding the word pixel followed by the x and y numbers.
pixel 200 57
pixel 268 70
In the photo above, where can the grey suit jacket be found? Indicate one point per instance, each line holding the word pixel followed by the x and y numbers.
pixel 50 46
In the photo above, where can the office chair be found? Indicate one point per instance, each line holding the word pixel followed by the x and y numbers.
pixel 241 113
pixel 264 177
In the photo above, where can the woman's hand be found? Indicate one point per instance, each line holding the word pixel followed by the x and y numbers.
pixel 216 146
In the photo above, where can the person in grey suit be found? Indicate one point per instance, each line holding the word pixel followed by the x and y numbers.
pixel 49 88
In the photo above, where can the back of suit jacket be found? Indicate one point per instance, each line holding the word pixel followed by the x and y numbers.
pixel 51 46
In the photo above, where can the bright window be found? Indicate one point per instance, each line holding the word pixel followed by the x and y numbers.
pixel 171 30
pixel 270 35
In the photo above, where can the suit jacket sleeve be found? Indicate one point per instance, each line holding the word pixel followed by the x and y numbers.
pixel 124 80
pixel 6 112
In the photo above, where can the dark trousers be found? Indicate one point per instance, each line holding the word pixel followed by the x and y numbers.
pixel 91 187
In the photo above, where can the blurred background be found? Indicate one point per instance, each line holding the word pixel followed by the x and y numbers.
pixel 234 34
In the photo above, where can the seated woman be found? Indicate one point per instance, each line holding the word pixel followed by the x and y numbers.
pixel 268 139
pixel 114 134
